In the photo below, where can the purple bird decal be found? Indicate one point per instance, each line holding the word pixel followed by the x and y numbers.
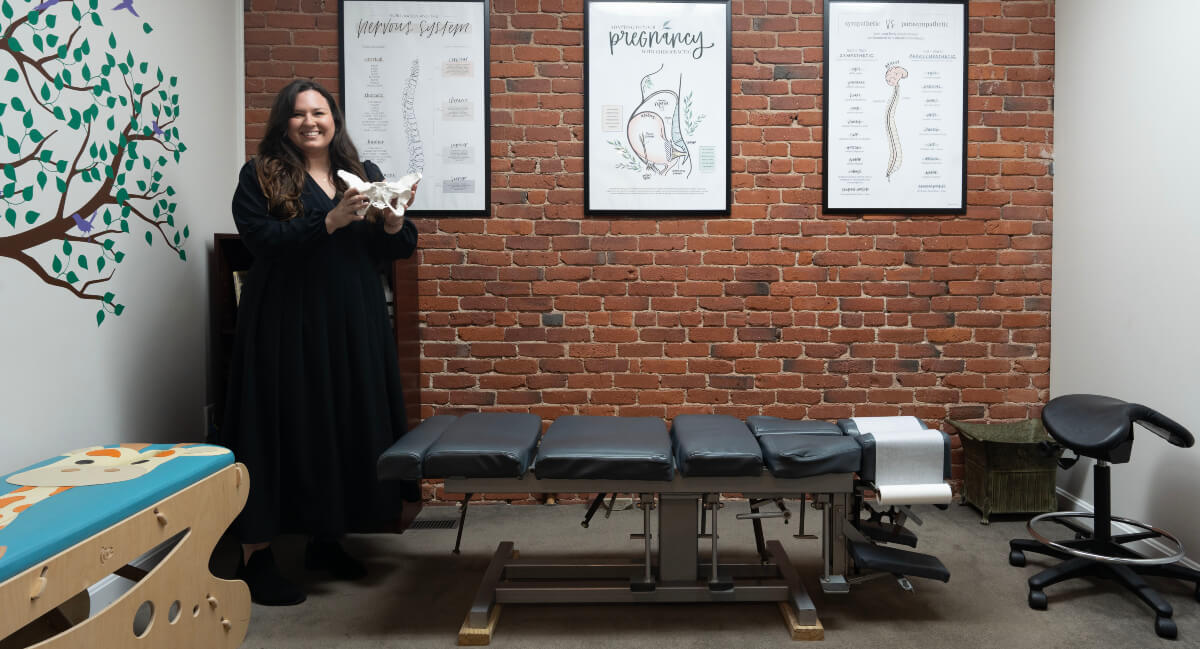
pixel 126 4
pixel 46 5
pixel 84 226
pixel 157 130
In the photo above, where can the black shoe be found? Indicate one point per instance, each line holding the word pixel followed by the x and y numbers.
pixel 267 586
pixel 328 555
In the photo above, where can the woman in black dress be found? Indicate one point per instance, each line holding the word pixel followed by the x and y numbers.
pixel 314 393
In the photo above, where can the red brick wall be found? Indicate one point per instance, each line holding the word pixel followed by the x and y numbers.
pixel 776 309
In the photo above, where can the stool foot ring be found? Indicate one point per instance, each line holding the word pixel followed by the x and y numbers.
pixel 1173 556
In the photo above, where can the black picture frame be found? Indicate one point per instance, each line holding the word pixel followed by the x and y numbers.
pixel 455 159
pixel 658 43
pixel 895 151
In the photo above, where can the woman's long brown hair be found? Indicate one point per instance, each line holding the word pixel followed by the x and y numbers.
pixel 280 165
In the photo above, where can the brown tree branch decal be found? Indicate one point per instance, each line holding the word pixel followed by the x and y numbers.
pixel 111 133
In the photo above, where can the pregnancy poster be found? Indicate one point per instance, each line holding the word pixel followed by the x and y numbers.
pixel 656 85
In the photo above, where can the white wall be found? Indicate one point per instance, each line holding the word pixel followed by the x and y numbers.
pixel 64 381
pixel 1126 300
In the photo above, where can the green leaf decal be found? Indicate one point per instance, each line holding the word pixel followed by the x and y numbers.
pixel 82 261
pixel 147 28
pixel 72 277
pixel 12 75
pixel 149 239
pixel 66 247
pixel 56 265
pixel 10 215
pixel 100 317
pixel 31 217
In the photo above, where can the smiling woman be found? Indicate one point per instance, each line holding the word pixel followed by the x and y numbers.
pixel 311 125
pixel 314 392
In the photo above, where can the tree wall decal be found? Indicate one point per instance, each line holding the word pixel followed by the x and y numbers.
pixel 90 131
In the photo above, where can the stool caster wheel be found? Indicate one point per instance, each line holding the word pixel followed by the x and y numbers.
pixel 1017 558
pixel 1037 600
pixel 1165 628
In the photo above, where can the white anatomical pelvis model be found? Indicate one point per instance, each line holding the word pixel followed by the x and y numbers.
pixel 381 194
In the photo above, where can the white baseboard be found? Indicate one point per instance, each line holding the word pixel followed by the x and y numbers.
pixel 1152 547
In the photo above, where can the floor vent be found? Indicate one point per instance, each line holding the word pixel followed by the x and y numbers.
pixel 434 524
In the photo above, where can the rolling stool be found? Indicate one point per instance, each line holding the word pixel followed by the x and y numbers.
pixel 1102 428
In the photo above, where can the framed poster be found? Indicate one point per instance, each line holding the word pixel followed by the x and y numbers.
pixel 415 94
pixel 656 107
pixel 895 106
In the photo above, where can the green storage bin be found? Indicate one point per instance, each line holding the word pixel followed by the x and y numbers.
pixel 1004 469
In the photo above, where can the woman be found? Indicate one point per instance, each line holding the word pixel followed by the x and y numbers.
pixel 314 392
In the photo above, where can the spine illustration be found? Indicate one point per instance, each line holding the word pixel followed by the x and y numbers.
pixel 893 76
pixel 416 151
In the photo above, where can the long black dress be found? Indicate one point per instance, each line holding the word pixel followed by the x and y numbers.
pixel 314 392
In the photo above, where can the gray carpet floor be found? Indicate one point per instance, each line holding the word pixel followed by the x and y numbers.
pixel 417 593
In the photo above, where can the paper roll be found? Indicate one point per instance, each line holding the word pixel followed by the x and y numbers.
pixel 937 493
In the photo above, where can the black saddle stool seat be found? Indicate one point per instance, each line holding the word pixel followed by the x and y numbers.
pixel 1102 428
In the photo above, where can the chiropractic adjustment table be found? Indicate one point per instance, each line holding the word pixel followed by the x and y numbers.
pixel 681 473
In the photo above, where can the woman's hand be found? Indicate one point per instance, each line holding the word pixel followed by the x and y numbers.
pixel 392 223
pixel 346 211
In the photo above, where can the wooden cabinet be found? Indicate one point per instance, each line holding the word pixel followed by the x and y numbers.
pixel 230 256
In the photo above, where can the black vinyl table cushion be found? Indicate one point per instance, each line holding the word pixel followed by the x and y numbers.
pixel 715 445
pixel 578 447
pixel 485 445
pixel 405 458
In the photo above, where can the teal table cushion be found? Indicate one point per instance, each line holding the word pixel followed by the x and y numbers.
pixel 106 485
